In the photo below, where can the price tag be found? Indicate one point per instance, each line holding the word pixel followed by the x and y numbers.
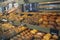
pixel 30 7
pixel 54 31
pixel 10 6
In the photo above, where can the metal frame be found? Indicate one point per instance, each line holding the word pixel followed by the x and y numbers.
pixel 42 29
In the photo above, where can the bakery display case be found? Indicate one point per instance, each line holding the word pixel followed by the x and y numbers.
pixel 14 24
pixel 43 24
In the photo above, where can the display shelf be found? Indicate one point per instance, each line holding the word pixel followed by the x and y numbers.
pixel 41 12
pixel 53 2
pixel 10 35
pixel 42 29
